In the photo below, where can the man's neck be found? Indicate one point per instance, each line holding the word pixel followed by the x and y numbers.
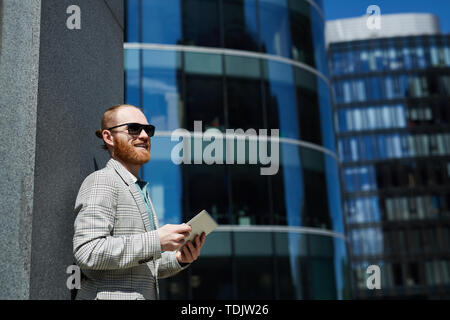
pixel 133 168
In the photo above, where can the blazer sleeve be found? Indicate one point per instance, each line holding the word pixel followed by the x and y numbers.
pixel 169 265
pixel 94 247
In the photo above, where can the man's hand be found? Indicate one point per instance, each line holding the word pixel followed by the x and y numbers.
pixel 190 252
pixel 172 236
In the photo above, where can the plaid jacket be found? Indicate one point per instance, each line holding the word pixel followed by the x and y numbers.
pixel 113 244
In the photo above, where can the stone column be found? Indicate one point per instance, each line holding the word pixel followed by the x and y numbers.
pixel 55 83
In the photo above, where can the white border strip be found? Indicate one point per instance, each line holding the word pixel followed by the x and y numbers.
pixel 241 53
pixel 300 143
pixel 305 230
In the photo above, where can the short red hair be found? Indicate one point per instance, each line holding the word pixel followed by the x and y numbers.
pixel 108 120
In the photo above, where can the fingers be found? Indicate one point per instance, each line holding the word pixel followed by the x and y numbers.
pixel 177 241
pixel 183 228
pixel 191 249
pixel 197 242
pixel 179 238
pixel 185 234
pixel 187 252
pixel 202 239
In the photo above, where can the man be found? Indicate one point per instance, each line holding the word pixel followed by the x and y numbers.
pixel 117 243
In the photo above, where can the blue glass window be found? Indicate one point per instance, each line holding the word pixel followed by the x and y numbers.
pixel 281 98
pixel 132 11
pixel 275 34
pixel 132 76
pixel 162 23
pixel 240 25
pixel 201 22
pixel 161 84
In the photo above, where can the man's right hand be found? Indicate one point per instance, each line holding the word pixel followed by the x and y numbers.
pixel 172 236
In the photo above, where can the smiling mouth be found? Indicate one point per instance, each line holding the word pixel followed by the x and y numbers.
pixel 143 146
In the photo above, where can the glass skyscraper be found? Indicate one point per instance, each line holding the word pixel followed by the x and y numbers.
pixel 391 93
pixel 243 64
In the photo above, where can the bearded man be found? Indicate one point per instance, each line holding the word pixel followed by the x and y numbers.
pixel 117 243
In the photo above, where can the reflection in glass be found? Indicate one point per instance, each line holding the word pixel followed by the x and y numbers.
pixel 217 270
pixel 301 29
pixel 240 25
pixel 161 21
pixel 160 89
pixel 132 18
pixel 207 108
pixel 280 99
pixel 132 76
pixel 244 96
pixel 275 35
pixel 209 195
pixel 165 182
pixel 316 211
pixel 201 23
pixel 250 194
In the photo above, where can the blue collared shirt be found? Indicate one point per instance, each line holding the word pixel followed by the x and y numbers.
pixel 142 187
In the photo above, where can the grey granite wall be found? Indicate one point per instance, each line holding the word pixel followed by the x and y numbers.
pixel 19 66
pixel 60 82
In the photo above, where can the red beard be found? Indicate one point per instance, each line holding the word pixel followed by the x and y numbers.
pixel 130 154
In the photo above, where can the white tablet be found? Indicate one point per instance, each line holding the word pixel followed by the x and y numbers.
pixel 202 222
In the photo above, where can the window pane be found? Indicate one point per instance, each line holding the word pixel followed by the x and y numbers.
pixel 251 257
pixel 160 88
pixel 132 77
pixel 244 100
pixel 274 24
pixel 161 21
pixel 240 24
pixel 316 212
pixel 132 33
pixel 217 270
pixel 309 109
pixel 200 22
pixel 207 108
pixel 250 194
pixel 280 99
pixel 210 195
pixel 203 63
pixel 301 31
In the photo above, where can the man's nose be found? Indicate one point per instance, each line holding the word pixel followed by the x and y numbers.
pixel 143 135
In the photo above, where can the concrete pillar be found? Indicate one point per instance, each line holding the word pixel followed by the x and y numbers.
pixel 55 83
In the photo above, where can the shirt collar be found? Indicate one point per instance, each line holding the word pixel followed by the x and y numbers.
pixel 142 184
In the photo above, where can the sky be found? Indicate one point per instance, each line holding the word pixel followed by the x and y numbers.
pixel 338 9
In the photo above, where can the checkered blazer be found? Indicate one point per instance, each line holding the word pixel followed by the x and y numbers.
pixel 113 244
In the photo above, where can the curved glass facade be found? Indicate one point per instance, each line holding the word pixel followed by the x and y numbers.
pixel 391 113
pixel 239 67
pixel 287 28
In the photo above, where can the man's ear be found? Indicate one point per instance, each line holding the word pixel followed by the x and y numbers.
pixel 108 138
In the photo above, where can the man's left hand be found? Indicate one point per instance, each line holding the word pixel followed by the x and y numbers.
pixel 191 250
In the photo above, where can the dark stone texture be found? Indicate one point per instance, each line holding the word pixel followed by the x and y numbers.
pixel 80 75
pixel 19 61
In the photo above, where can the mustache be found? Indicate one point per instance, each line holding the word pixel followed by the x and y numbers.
pixel 144 143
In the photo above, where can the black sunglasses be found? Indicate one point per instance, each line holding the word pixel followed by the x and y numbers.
pixel 135 129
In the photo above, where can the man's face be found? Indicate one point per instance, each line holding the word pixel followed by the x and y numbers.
pixel 128 148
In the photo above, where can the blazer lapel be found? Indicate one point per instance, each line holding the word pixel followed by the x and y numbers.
pixel 142 208
pixel 155 223
pixel 130 181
